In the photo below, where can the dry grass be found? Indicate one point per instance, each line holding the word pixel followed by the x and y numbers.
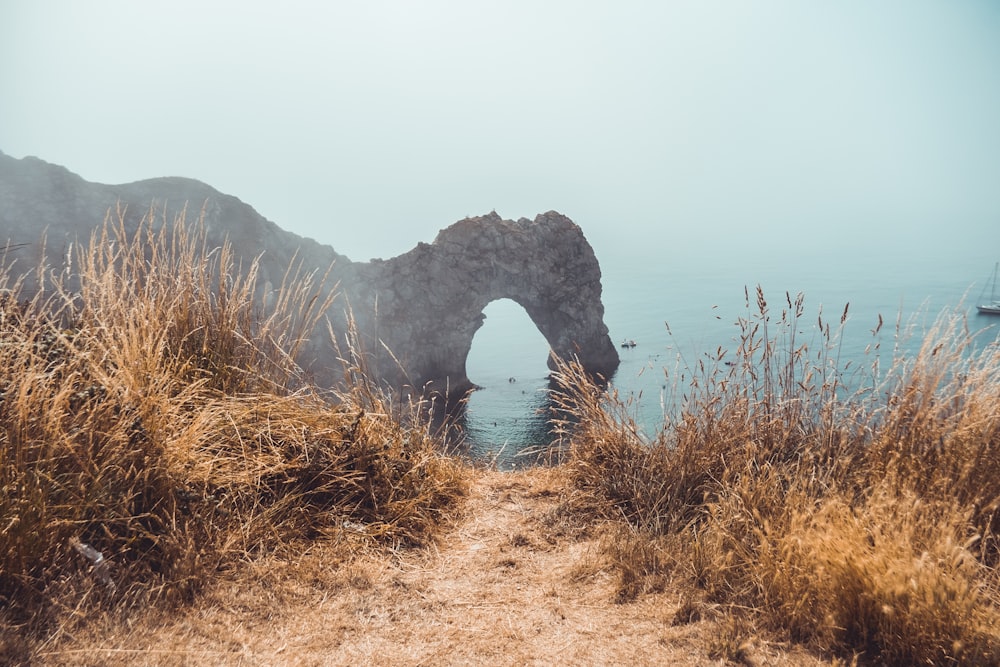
pixel 518 578
pixel 155 428
pixel 857 514
pixel 169 477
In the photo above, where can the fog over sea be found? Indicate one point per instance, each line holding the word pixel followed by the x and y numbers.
pixel 700 295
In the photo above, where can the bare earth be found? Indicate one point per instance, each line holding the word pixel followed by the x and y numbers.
pixel 514 581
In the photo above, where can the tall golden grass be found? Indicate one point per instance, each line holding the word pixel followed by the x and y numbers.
pixel 855 513
pixel 155 427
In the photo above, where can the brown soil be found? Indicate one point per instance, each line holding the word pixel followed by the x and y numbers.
pixel 516 580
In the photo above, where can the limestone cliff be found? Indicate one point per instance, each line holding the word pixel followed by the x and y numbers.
pixel 424 306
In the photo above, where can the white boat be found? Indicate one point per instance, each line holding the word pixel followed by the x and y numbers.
pixel 990 306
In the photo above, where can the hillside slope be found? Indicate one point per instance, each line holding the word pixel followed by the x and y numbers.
pixel 516 580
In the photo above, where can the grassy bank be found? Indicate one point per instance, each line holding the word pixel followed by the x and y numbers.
pixel 857 515
pixel 157 434
pixel 155 430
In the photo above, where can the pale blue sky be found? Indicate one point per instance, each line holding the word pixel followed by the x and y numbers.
pixel 655 125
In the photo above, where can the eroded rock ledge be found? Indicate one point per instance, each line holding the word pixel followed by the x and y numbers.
pixel 424 306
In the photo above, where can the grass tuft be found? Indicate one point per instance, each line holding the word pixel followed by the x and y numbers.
pixel 155 427
pixel 856 512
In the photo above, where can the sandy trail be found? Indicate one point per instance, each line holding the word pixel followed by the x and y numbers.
pixel 514 581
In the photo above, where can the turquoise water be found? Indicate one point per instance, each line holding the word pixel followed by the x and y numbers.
pixel 684 309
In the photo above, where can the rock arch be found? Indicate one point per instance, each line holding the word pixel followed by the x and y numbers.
pixel 426 305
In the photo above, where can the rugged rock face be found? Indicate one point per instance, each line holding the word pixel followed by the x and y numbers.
pixel 430 300
pixel 424 306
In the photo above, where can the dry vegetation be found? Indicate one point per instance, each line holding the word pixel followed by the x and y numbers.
pixel 174 492
pixel 154 432
pixel 862 522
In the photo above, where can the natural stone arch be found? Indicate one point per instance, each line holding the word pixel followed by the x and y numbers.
pixel 426 305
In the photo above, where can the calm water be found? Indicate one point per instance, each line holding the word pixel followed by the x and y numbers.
pixel 701 298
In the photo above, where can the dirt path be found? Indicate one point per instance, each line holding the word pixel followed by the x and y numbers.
pixel 513 582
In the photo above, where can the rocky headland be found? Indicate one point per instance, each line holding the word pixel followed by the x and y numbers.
pixel 415 314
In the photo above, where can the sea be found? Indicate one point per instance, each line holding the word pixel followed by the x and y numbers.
pixel 685 308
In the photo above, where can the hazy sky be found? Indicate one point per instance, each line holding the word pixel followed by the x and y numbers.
pixel 658 126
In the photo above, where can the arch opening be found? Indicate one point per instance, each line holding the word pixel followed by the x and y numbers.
pixel 506 418
pixel 507 345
